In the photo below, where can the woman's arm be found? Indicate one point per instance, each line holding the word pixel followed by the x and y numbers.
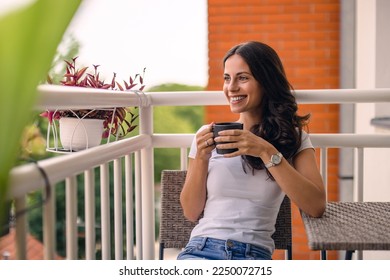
pixel 193 195
pixel 302 182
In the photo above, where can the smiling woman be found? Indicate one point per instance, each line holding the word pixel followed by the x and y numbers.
pixel 240 193
pixel 168 37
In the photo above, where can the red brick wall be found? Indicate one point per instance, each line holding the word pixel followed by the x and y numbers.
pixel 305 33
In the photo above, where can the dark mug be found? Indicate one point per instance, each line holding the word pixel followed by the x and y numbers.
pixel 225 126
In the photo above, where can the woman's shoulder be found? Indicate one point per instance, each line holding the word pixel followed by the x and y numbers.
pixel 305 135
pixel 305 141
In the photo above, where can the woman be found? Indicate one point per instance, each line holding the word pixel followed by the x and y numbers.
pixel 240 193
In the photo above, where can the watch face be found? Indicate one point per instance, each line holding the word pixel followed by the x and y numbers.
pixel 276 159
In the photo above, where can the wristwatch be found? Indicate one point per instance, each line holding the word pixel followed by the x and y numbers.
pixel 275 160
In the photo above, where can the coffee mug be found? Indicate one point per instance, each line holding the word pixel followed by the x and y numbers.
pixel 225 126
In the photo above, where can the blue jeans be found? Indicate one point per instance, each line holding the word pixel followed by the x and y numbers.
pixel 216 249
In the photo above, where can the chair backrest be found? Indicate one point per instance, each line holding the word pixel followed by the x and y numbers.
pixel 175 229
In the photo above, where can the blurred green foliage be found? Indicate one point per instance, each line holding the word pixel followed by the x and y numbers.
pixel 174 119
pixel 30 35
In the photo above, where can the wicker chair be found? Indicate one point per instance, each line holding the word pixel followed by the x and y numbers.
pixel 175 229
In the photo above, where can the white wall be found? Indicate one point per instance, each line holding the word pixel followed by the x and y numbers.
pixel 372 68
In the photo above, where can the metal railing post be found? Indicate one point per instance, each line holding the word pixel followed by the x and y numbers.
pixel 49 228
pixel 138 205
pixel 183 159
pixel 129 207
pixel 21 228
pixel 118 213
pixel 147 176
pixel 358 187
pixel 89 201
pixel 324 168
pixel 105 211
pixel 71 217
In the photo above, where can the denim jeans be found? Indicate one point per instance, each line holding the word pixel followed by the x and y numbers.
pixel 216 249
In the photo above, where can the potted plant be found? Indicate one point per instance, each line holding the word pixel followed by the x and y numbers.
pixel 82 129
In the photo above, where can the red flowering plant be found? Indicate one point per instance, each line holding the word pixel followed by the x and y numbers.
pixel 115 119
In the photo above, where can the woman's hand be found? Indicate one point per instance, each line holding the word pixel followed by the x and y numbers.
pixel 204 142
pixel 245 141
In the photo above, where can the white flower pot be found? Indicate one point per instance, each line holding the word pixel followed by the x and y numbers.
pixel 80 134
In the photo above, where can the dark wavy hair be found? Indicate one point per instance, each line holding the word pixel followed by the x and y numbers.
pixel 280 125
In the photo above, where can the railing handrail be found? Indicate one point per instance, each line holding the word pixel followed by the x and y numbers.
pixel 27 178
pixel 53 97
pixel 350 140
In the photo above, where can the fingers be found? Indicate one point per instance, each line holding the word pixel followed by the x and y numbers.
pixel 232 132
pixel 228 136
pixel 228 145
pixel 208 139
pixel 230 139
pixel 205 138
pixel 209 142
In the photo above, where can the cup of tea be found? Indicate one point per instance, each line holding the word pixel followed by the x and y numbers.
pixel 225 126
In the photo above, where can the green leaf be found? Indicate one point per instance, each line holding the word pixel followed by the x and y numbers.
pixel 29 39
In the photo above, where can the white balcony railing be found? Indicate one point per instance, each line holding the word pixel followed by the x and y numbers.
pixel 135 157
